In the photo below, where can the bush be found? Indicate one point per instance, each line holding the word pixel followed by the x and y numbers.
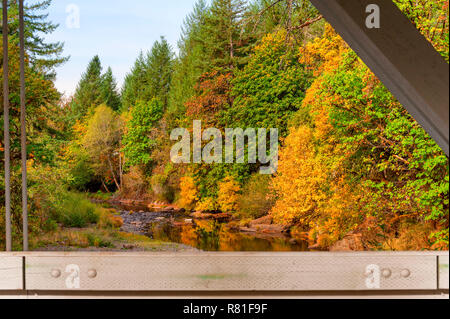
pixel 134 184
pixel 74 210
pixel 109 219
pixel 188 193
pixel 256 199
pixel 98 241
pixel 228 195
pixel 162 191
pixel 207 204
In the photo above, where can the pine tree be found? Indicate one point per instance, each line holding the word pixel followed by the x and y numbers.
pixel 192 60
pixel 135 84
pixel 224 25
pixel 297 17
pixel 159 70
pixel 110 96
pixel 88 94
pixel 150 76
pixel 44 56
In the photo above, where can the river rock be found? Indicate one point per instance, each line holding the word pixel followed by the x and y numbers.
pixel 266 229
pixel 203 215
pixel 351 242
pixel 266 220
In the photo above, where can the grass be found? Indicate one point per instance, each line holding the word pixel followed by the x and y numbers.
pixel 75 223
pixel 98 239
pixel 74 210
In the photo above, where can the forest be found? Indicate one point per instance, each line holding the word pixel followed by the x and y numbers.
pixel 353 165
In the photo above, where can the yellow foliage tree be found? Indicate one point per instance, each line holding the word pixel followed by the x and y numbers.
pixel 188 193
pixel 228 195
pixel 207 204
pixel 299 180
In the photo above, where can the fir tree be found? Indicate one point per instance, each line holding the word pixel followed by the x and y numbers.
pixel 88 94
pixel 159 70
pixel 110 96
pixel 134 84
pixel 192 60
pixel 150 76
pixel 224 25
pixel 44 56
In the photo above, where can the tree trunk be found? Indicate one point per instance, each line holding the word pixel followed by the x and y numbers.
pixel 113 175
pixel 106 187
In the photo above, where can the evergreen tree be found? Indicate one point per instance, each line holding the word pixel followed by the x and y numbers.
pixel 110 96
pixel 225 41
pixel 135 84
pixel 159 70
pixel 297 17
pixel 192 60
pixel 150 76
pixel 44 56
pixel 89 90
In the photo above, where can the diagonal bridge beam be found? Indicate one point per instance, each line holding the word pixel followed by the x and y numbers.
pixel 392 47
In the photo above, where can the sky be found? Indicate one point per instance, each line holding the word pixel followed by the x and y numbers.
pixel 116 30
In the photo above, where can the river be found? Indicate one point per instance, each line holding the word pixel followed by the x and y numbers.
pixel 203 234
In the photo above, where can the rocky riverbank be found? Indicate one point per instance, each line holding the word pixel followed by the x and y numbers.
pixel 137 222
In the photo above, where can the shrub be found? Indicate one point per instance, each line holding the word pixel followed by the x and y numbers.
pixel 109 219
pixel 98 241
pixel 208 204
pixel 256 199
pixel 228 195
pixel 162 191
pixel 74 210
pixel 188 193
pixel 134 184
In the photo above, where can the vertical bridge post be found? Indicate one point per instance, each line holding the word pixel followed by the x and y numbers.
pixel 23 128
pixel 6 128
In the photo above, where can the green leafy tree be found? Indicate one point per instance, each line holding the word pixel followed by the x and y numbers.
pixel 270 89
pixel 140 140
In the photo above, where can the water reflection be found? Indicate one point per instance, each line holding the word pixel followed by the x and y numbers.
pixel 211 235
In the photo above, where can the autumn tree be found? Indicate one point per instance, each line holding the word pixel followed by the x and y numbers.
pixel 212 97
pixel 102 142
pixel 45 134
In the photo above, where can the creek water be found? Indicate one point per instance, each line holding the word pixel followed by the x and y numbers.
pixel 205 234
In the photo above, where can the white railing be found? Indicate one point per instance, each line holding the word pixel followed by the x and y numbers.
pixel 368 274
